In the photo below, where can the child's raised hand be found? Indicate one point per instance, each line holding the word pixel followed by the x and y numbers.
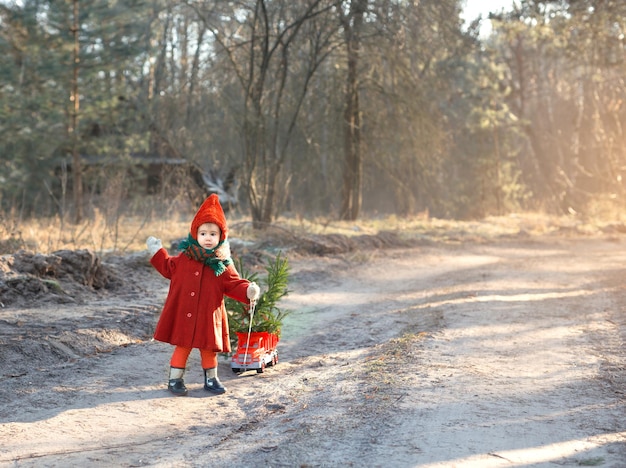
pixel 154 245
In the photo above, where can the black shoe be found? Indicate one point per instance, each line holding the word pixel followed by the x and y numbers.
pixel 177 387
pixel 214 385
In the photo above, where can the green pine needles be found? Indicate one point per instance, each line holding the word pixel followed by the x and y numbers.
pixel 268 317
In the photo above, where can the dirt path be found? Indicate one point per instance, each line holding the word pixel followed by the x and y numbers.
pixel 477 355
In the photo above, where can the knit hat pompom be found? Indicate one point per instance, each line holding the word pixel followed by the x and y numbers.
pixel 210 212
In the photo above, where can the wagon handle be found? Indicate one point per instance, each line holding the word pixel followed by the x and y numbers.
pixel 252 307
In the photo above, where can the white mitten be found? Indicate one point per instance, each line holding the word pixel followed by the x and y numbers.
pixel 253 292
pixel 154 245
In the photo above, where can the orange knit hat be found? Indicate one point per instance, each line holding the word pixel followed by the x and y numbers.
pixel 210 212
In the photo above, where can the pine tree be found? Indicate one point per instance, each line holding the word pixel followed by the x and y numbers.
pixel 268 317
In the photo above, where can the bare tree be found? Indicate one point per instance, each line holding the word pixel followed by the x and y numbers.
pixel 273 61
pixel 77 170
pixel 352 23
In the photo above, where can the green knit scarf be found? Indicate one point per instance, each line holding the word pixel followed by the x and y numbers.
pixel 195 251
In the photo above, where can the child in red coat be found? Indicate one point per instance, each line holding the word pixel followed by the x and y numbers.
pixel 194 315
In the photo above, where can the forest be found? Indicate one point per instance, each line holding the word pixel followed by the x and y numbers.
pixel 341 108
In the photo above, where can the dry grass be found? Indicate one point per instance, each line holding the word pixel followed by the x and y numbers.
pixel 124 234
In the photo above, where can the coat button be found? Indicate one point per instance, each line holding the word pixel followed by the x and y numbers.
pixel 193 294
pixel 197 273
pixel 189 315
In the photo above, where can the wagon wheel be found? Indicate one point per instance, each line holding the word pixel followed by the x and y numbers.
pixel 261 369
pixel 236 370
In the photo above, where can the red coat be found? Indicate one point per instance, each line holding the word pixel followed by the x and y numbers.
pixel 194 315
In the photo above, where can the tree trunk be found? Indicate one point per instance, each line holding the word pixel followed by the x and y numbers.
pixel 352 166
pixel 77 176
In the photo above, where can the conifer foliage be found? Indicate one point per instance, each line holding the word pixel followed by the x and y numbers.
pixel 268 317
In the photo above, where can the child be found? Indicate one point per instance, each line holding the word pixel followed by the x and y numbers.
pixel 194 315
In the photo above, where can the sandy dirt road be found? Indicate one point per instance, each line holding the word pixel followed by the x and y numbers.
pixel 497 354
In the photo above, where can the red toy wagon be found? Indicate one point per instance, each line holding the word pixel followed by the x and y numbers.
pixel 255 352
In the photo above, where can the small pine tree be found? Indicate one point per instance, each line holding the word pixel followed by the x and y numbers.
pixel 267 316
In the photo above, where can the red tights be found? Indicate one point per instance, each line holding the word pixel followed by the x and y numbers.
pixel 181 354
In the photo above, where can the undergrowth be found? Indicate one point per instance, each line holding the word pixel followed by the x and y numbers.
pixel 121 234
